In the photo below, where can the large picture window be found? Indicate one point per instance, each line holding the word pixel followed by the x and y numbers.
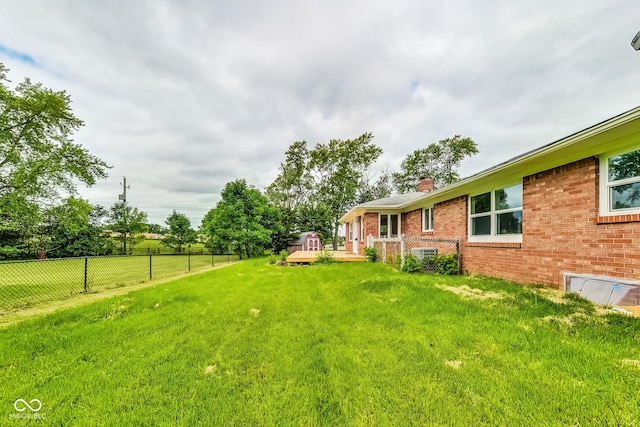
pixel 496 215
pixel 621 189
pixel 389 225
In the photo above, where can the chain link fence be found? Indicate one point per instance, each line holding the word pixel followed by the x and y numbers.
pixel 418 253
pixel 25 283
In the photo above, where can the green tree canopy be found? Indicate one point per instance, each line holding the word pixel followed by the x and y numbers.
pixel 439 161
pixel 74 228
pixel 339 167
pixel 242 222
pixel 316 187
pixel 158 229
pixel 129 222
pixel 179 231
pixel 294 184
pixel 39 162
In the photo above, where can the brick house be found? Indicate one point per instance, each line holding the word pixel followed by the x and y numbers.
pixel 571 206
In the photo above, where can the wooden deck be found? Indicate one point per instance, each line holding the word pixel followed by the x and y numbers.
pixel 305 257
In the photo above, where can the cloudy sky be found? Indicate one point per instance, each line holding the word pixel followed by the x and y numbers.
pixel 183 96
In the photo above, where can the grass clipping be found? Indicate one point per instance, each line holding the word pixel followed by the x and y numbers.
pixel 467 292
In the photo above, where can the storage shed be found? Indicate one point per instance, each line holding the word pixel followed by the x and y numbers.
pixel 308 241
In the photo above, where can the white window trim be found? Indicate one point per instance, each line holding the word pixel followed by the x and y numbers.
pixel 388 215
pixel 604 208
pixel 493 213
pixel 424 211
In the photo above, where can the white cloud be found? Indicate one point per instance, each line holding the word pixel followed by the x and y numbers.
pixel 182 97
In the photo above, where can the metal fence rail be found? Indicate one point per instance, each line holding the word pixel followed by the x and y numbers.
pixel 428 252
pixel 25 283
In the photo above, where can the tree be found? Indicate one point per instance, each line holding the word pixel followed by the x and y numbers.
pixel 291 189
pixel 157 229
pixel 128 222
pixel 315 187
pixel 381 188
pixel 339 167
pixel 242 222
pixel 439 161
pixel 179 231
pixel 314 217
pixel 38 159
pixel 294 184
pixel 74 228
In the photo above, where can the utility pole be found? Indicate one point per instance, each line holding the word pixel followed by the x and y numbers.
pixel 123 197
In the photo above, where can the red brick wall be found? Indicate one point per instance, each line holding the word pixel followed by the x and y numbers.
pixel 371 224
pixel 348 245
pixel 411 224
pixel 561 231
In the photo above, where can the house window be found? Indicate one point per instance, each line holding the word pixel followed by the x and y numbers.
pixel 389 225
pixel 621 187
pixel 427 219
pixel 351 232
pixel 496 215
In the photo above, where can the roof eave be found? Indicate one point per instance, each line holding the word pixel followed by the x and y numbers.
pixel 552 155
pixel 361 210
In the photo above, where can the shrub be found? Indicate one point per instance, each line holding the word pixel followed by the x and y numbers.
pixel 370 254
pixel 411 264
pixel 447 264
pixel 325 257
pixel 283 255
pixel 272 259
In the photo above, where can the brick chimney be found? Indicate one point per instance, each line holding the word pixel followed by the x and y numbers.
pixel 425 185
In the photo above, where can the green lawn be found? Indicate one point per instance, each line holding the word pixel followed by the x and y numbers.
pixel 24 284
pixel 348 344
pixel 156 246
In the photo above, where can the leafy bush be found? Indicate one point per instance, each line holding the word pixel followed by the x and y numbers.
pixel 411 264
pixel 447 264
pixel 272 259
pixel 370 254
pixel 325 257
pixel 283 255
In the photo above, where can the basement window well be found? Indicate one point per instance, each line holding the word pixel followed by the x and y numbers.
pixel 603 289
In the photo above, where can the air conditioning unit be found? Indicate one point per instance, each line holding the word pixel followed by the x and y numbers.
pixel 422 253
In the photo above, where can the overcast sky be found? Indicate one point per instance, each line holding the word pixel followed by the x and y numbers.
pixel 183 96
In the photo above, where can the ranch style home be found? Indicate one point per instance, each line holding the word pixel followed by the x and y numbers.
pixel 569 207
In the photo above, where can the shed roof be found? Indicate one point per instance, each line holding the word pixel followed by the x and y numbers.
pixel 302 238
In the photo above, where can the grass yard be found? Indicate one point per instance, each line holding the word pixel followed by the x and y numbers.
pixel 344 344
pixel 24 284
pixel 156 246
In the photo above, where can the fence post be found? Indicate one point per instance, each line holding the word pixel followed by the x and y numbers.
pixel 228 257
pixel 189 260
pixel 401 251
pixel 459 256
pixel 150 267
pixel 212 260
pixel 86 268
pixel 384 252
